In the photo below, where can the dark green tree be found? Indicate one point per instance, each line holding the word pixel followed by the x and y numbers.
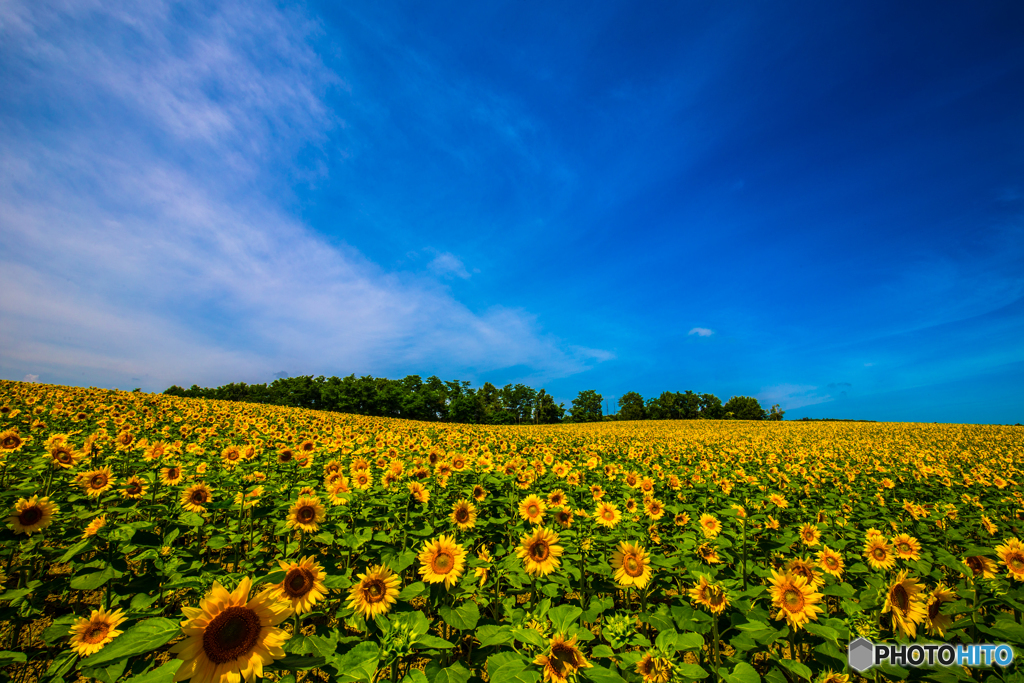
pixel 545 411
pixel 586 407
pixel 776 413
pixel 745 408
pixel 631 406
pixel 710 407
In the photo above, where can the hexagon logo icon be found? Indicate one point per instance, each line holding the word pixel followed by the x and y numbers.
pixel 861 654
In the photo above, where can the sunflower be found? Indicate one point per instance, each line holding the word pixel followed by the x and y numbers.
pixel 532 509
pixel 375 592
pixel 229 637
pixel 303 584
pixel 607 515
pixel 795 599
pixel 442 560
pixel 632 565
pixel 831 676
pixel 831 561
pixel 97 482
pixel 878 553
pixel 1012 555
pixel 708 553
pixel 306 514
pixel 810 535
pixel 906 602
pixel 63 456
pixel 709 595
pixel 134 488
pixel 564 518
pixel 778 501
pixel 11 441
pixel 539 552
pixel 32 515
pixel 772 523
pixel 710 526
pixel 464 515
pixel 907 547
pixel 991 528
pixel 94 526
pixel 556 498
pixel 981 566
pixel 483 571
pixel 938 622
pixel 419 492
pixel 171 475
pixel 362 480
pixel 195 497
pixel 681 519
pixel 873 533
pixel 654 508
pixel 479 493
pixel 805 568
pixel 655 669
pixel 561 660
pixel 90 634
pixel 285 455
pixel 630 506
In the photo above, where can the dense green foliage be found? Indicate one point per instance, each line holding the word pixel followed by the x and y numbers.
pixel 434 400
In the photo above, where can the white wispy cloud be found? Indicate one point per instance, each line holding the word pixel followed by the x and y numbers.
pixel 701 332
pixel 144 240
pixel 792 396
pixel 448 265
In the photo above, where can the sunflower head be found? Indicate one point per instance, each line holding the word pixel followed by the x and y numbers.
pixel 464 515
pixel 32 515
pixel 375 592
pixel 306 514
pixel 539 552
pixel 303 584
pixel 90 634
pixel 532 509
pixel 632 565
pixel 442 561
pixel 607 515
pixel 562 659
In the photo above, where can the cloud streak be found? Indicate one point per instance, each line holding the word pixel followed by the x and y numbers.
pixel 701 332
pixel 151 242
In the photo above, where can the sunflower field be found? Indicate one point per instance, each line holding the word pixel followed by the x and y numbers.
pixel 151 539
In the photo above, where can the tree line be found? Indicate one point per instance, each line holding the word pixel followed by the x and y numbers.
pixel 435 400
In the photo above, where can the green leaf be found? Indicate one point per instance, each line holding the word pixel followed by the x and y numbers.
pixel 826 632
pixel 141 638
pixel 495 662
pixel 191 519
pixel 359 663
pixel 563 616
pixel 75 550
pixel 109 673
pixel 60 628
pixel 529 635
pixel 463 617
pixel 62 664
pixel 513 671
pixel 161 674
pixel 693 671
pixel 427 641
pixel 8 657
pixel 415 676
pixel 413 590
pixel 689 641
pixel 297 662
pixel 217 542
pixel 599 674
pixel 801 670
pixel 92 581
pixel 596 608
pixel 456 673
pixel 494 635
pixel 741 673
pixel 602 651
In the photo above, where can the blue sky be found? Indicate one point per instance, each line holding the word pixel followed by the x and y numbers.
pixel 819 206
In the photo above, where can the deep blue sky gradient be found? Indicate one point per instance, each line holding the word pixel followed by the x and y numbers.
pixel 554 193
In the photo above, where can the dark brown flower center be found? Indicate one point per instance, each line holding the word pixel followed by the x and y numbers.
pixel 976 565
pixel 878 553
pixel 306 514
pixel 539 551
pixel 793 599
pixel 933 610
pixel 96 633
pixel 443 562
pixel 462 515
pixel 374 590
pixel 532 510
pixel 298 582
pixel 632 566
pixel 11 442
pixel 30 516
pixel 900 598
pixel 198 497
pixel 231 634
pixel 173 472
pixel 134 488
pixel 98 481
